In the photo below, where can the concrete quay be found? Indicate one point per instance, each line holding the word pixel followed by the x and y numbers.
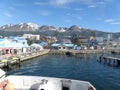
pixel 77 52
pixel 20 58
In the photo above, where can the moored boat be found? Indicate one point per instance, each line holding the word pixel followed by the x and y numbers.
pixel 14 82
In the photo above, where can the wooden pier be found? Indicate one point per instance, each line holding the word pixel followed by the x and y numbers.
pixel 20 58
pixel 109 60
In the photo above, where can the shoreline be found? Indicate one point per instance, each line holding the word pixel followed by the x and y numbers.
pixel 8 62
pixel 77 52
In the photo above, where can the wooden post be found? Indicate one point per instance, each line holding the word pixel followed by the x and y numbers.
pixel 118 62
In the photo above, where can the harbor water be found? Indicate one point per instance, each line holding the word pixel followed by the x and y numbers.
pixel 83 67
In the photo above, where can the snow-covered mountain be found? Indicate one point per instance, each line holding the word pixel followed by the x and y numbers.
pixel 20 27
pixel 16 29
pixel 30 27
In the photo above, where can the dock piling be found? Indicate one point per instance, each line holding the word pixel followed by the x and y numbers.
pixel 109 60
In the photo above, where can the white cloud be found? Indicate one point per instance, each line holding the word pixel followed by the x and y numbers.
pixel 109 20
pixel 91 6
pixel 8 14
pixel 78 17
pixel 65 3
pixel 40 3
pixel 94 3
pixel 112 21
pixel 75 16
pixel 54 2
pixel 99 19
pixel 115 23
pixel 68 21
pixel 11 8
pixel 18 4
pixel 78 9
pixel 45 13
pixel 60 2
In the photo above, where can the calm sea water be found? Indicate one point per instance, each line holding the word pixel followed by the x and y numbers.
pixel 82 67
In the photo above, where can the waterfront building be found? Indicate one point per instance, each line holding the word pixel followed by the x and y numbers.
pixel 119 38
pixel 65 41
pixel 55 46
pixel 99 39
pixel 10 48
pixel 44 43
pixel 32 36
pixel 83 40
pixel 36 47
pixel 18 40
pixel 60 46
pixel 77 47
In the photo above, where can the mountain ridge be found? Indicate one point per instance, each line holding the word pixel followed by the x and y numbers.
pixel 35 27
pixel 15 29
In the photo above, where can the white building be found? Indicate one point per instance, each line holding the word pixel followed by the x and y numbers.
pixel 99 39
pixel 18 39
pixel 36 37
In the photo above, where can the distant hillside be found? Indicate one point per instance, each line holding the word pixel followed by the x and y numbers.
pixel 10 29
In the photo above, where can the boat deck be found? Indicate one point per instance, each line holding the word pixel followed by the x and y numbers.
pixel 47 83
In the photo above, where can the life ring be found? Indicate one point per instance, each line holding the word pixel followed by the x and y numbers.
pixel 6 85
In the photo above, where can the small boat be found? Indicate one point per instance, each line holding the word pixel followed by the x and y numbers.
pixel 14 82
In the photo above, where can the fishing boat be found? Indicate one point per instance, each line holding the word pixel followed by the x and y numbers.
pixel 17 82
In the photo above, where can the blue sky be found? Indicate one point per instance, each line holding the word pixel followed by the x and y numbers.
pixel 103 15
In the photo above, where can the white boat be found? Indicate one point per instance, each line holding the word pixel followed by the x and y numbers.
pixel 14 82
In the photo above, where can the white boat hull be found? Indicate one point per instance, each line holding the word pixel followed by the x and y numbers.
pixel 41 83
pixel 47 83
